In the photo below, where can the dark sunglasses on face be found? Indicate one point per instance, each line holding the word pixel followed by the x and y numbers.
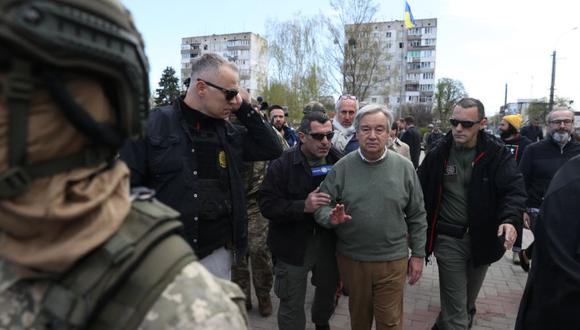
pixel 229 93
pixel 464 123
pixel 320 136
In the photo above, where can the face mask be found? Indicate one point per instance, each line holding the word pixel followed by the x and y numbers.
pixel 561 137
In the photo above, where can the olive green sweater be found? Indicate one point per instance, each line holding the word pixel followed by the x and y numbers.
pixel 386 204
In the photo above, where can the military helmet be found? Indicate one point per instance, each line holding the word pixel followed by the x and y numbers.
pixel 41 39
pixel 313 106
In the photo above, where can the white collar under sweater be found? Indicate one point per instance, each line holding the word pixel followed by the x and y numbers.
pixel 342 135
pixel 372 161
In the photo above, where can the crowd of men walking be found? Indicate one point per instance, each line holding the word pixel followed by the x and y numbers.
pixel 348 200
pixel 345 198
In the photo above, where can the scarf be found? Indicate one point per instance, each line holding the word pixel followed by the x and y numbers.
pixel 60 218
pixel 342 135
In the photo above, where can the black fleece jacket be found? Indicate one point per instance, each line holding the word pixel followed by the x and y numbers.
pixel 496 194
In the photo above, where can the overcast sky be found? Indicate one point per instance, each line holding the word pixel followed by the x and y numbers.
pixel 485 44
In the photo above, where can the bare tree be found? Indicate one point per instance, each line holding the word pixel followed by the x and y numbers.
pixel 448 92
pixel 356 52
pixel 296 76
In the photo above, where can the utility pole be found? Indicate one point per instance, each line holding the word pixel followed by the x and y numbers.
pixel 505 100
pixel 551 102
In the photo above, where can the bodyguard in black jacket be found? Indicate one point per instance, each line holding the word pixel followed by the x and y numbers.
pixel 288 197
pixel 192 157
pixel 496 194
pixel 282 195
pixel 474 197
pixel 540 163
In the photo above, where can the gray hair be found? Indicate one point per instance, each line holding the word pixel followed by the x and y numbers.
pixel 549 115
pixel 209 63
pixel 371 109
pixel 341 99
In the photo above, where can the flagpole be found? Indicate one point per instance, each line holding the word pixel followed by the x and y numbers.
pixel 403 69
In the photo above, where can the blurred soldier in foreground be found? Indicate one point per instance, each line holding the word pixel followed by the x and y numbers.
pixel 550 300
pixel 76 250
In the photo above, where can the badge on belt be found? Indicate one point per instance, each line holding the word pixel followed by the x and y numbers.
pixel 222 159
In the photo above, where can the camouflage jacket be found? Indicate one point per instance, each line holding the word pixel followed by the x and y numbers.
pixel 194 300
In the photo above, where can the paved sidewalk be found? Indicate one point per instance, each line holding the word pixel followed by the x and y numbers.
pixel 497 303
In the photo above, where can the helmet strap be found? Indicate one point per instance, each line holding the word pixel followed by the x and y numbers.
pixel 18 89
pixel 18 94
pixel 99 134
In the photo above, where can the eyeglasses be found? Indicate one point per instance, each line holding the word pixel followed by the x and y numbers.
pixel 229 93
pixel 347 97
pixel 559 122
pixel 321 136
pixel 464 123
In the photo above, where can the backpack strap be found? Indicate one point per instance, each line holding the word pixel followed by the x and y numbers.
pixel 123 276
pixel 127 308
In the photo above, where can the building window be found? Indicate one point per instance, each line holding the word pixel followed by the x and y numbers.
pixel 413 76
pixel 428 42
pixel 374 100
pixel 414 53
pixel 428 75
pixel 388 34
pixel 413 66
pixel 414 43
pixel 415 31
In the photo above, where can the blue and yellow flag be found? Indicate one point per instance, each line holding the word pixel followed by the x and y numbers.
pixel 409 20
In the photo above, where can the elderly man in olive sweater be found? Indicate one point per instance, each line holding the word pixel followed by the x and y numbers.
pixel 378 214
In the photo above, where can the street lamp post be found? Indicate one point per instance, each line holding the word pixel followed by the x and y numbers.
pixel 551 102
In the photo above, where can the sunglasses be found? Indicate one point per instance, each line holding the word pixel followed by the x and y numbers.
pixel 229 93
pixel 347 97
pixel 320 136
pixel 464 123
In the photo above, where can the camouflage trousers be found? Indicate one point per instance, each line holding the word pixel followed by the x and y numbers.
pixel 260 257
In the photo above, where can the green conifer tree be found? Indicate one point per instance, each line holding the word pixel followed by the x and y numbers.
pixel 168 88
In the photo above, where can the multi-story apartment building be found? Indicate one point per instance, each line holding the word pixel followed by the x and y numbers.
pixel 248 50
pixel 409 66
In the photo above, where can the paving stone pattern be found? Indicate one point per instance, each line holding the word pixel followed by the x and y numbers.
pixel 497 303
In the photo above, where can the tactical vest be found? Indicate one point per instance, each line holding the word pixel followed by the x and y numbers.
pixel 115 285
pixel 215 208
